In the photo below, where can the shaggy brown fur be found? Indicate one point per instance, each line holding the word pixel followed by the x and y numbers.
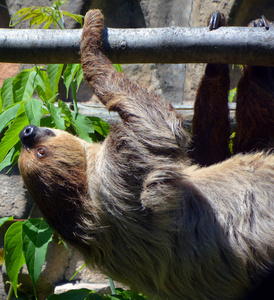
pixel 137 209
pixel 255 106
pixel 210 124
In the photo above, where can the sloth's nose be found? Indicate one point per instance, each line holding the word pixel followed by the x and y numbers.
pixel 28 135
pixel 31 135
pixel 29 130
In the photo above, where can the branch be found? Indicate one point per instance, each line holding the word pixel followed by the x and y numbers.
pixel 237 45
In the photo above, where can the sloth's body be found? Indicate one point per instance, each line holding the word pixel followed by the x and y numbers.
pixel 138 209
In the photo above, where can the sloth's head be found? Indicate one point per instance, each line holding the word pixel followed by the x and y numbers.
pixel 51 155
pixel 53 166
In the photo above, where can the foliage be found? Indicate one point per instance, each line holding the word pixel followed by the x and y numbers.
pixel 36 234
pixel 31 97
pixel 26 242
pixel 14 258
pixel 48 15
pixel 118 68
pixel 238 66
pixel 20 109
pixel 85 294
pixel 232 94
pixel 230 143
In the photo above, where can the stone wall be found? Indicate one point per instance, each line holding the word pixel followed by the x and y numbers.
pixel 176 83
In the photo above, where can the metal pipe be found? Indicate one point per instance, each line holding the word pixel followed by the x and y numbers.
pixel 237 45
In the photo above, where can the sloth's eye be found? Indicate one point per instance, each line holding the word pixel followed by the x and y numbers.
pixel 41 152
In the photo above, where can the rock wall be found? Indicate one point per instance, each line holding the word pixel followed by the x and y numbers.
pixel 176 83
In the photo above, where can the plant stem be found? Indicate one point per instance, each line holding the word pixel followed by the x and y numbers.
pixel 73 88
pixel 31 210
pixel 10 293
pixel 112 286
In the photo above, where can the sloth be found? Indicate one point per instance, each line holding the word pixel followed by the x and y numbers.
pixel 211 124
pixel 254 113
pixel 255 105
pixel 137 206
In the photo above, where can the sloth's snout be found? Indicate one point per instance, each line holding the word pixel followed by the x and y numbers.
pixel 32 134
pixel 28 135
pixel 29 131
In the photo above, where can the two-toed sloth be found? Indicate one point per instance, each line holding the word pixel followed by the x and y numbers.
pixel 138 208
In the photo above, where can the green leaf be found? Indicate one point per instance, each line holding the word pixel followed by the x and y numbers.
pixel 14 258
pixel 43 86
pixel 77 18
pixel 40 81
pixel 79 77
pixel 8 115
pixel 35 13
pixel 94 296
pixel 38 19
pixel 34 111
pixel 12 157
pixel 4 219
pixel 118 68
pixel 56 5
pixel 6 93
pixel 57 19
pixel 100 126
pixel 230 143
pixel 115 297
pixel 54 75
pixel 81 124
pixel 56 115
pixel 69 74
pixel 232 94
pixel 23 13
pixel 36 235
pixel 82 294
pixel 125 294
pixel 47 20
pixel 39 15
pixel 65 110
pixel 48 23
pixel 24 85
pixel 2 256
pixel 46 122
pixel 11 136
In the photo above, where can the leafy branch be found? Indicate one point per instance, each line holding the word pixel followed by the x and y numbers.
pixel 48 15
pixel 19 109
pixel 26 242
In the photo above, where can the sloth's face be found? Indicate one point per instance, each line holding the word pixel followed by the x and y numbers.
pixel 46 147
pixel 51 162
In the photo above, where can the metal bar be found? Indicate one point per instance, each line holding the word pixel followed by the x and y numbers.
pixel 185 110
pixel 102 112
pixel 238 45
